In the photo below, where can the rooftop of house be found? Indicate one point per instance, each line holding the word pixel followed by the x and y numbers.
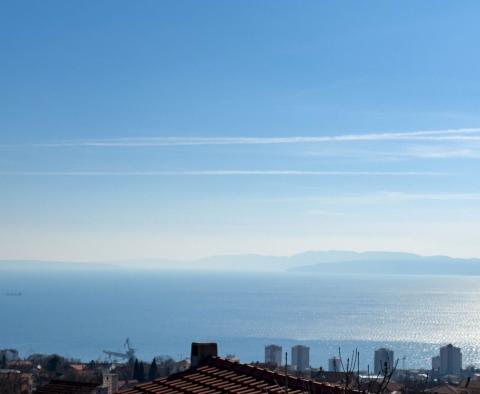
pixel 217 375
pixel 77 367
pixel 447 389
pixel 65 387
pixel 472 384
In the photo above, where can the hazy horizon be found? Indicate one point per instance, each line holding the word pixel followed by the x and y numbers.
pixel 325 263
pixel 246 255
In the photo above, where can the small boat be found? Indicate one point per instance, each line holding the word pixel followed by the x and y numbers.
pixel 13 293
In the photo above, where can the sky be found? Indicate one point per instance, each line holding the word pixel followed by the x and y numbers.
pixel 181 129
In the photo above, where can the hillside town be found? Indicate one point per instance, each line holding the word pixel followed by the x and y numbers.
pixel 206 372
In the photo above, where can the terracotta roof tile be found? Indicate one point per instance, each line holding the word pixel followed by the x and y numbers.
pixel 65 387
pixel 217 375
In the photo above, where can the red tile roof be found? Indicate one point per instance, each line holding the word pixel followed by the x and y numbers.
pixel 217 375
pixel 65 387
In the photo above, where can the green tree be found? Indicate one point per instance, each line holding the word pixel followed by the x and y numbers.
pixel 135 370
pixel 141 372
pixel 54 363
pixel 153 371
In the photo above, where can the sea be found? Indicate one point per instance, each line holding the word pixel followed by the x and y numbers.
pixel 78 314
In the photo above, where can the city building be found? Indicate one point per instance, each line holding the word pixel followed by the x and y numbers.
pixel 212 374
pixel 300 358
pixel 383 361
pixel 436 364
pixel 8 355
pixel 450 360
pixel 110 382
pixel 334 364
pixel 273 355
pixel 15 382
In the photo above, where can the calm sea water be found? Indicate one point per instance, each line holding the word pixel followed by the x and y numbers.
pixel 80 314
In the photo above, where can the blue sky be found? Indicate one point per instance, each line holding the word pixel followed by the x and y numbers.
pixel 182 128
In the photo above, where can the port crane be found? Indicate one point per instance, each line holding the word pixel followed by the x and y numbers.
pixel 129 351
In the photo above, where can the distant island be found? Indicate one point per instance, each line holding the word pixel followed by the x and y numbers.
pixel 314 262
pixel 392 263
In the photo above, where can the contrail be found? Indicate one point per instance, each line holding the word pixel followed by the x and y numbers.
pixel 218 173
pixel 443 134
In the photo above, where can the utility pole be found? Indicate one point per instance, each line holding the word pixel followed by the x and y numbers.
pixel 286 373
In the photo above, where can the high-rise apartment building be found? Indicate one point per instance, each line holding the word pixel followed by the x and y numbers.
pixel 300 358
pixel 334 364
pixel 450 360
pixel 436 364
pixel 383 362
pixel 273 355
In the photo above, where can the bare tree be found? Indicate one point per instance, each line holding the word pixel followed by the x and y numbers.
pixel 380 383
pixel 350 369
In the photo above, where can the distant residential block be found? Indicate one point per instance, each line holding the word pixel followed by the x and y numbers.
pixel 15 382
pixel 334 364
pixel 383 361
pixel 436 364
pixel 273 355
pixel 8 355
pixel 300 358
pixel 450 360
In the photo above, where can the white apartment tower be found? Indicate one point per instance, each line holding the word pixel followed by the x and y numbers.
pixel 383 362
pixel 334 364
pixel 300 358
pixel 273 355
pixel 450 360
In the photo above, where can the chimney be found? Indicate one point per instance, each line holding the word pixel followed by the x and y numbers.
pixel 201 352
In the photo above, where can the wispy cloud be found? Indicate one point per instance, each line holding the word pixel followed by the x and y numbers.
pixel 459 134
pixel 442 152
pixel 323 213
pixel 400 196
pixel 445 150
pixel 220 173
pixel 379 197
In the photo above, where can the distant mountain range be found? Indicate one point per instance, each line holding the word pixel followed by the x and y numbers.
pixel 315 262
pixel 346 262
pixel 391 263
